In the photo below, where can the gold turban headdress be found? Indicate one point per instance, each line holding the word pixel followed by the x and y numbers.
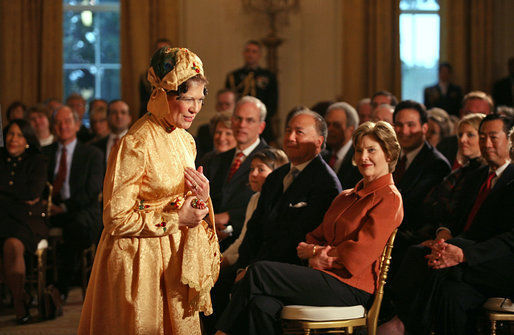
pixel 169 68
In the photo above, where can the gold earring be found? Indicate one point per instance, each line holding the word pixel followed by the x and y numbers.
pixel 27 146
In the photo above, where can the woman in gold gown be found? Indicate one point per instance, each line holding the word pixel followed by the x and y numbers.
pixel 157 259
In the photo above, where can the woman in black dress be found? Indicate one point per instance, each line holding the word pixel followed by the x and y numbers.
pixel 23 171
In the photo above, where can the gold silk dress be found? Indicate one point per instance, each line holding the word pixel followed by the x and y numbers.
pixel 149 275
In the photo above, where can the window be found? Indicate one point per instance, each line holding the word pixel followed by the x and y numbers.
pixel 91 48
pixel 419 46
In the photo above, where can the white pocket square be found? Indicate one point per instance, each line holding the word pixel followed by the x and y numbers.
pixel 298 205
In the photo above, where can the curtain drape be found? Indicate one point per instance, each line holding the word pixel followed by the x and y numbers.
pixel 31 51
pixel 371 48
pixel 142 23
pixel 467 42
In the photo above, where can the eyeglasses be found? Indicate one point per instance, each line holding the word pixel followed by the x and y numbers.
pixel 189 102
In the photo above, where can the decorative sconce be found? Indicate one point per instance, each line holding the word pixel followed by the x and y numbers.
pixel 273 9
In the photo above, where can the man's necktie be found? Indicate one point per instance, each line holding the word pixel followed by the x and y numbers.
pixel 115 141
pixel 332 161
pixel 399 171
pixel 61 173
pixel 289 178
pixel 482 194
pixel 235 165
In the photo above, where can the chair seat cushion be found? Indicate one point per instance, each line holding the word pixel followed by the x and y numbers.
pixel 43 244
pixel 322 313
pixel 499 305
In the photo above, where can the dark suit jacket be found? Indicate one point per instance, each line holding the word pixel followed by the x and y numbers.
pixel 348 174
pixel 232 196
pixel 488 244
pixel 282 219
pixel 449 146
pixel 450 102
pixel 86 181
pixel 102 145
pixel 427 170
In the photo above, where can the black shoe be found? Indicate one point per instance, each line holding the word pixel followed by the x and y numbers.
pixel 24 319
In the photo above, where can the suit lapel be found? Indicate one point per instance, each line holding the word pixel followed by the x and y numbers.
pixel 76 166
pixel 415 170
pixel 52 153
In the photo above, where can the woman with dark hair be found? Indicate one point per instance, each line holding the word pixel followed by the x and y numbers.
pixel 343 252
pixel 157 258
pixel 16 110
pixel 22 181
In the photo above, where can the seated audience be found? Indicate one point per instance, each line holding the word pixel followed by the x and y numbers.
pixel 383 97
pixel 440 203
pixel 505 111
pixel 76 172
pixel 78 104
pixel 53 104
pixel 320 107
pixel 22 181
pixel 473 102
pixel 118 121
pixel 222 138
pixel 439 125
pixel 420 168
pixel 39 117
pixel 383 112
pixel 292 203
pixel 442 285
pixel 263 163
pixel 444 94
pixel 99 124
pixel 225 101
pixel 16 110
pixel 364 110
pixel 343 252
pixel 342 120
pixel 228 171
pixel 95 103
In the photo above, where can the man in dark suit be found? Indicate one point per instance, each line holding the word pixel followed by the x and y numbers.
pixel 76 171
pixel 293 201
pixel 228 171
pixel 119 119
pixel 342 119
pixel 444 94
pixel 462 272
pixel 419 169
pixel 503 89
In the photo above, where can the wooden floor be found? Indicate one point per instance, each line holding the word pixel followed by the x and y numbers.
pixel 64 325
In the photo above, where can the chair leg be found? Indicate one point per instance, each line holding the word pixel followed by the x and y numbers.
pixel 493 327
pixel 41 278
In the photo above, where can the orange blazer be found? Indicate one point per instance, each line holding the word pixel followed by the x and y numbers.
pixel 357 225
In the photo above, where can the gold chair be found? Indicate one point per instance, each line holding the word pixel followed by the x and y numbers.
pixel 298 319
pixel 499 309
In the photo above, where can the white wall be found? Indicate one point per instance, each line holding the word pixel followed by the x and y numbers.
pixel 309 57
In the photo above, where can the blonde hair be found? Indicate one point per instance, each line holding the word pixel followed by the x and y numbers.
pixel 472 119
pixel 385 135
